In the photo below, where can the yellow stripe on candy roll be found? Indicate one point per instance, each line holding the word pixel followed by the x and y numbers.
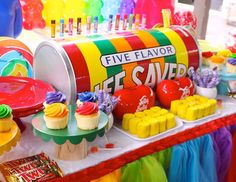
pixel 177 42
pixel 149 41
pixel 96 71
pixel 121 45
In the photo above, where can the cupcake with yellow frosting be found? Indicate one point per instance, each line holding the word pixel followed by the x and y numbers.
pixel 6 118
pixel 56 116
pixel 216 61
pixel 87 116
pixel 224 53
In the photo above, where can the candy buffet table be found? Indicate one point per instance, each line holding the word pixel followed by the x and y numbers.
pixel 127 149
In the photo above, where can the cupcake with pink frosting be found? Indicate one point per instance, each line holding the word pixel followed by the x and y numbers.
pixel 87 116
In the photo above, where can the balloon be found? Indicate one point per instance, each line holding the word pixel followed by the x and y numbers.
pixel 93 8
pixel 53 10
pixel 110 7
pixel 74 9
pixel 133 99
pixel 126 7
pixel 152 9
pixel 32 14
pixel 169 90
pixel 10 18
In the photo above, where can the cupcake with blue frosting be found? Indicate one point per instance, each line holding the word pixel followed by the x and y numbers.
pixel 54 97
pixel 86 97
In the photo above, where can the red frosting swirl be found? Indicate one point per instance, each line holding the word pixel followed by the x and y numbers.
pixel 87 108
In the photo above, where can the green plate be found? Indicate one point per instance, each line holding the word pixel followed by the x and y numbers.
pixel 71 133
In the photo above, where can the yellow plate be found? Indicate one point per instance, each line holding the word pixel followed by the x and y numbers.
pixel 9 139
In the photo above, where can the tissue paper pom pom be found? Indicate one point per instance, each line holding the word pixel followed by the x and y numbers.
pixel 185 18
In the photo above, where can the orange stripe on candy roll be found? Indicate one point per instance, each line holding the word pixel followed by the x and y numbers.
pixel 122 45
pixel 136 43
pixel 150 41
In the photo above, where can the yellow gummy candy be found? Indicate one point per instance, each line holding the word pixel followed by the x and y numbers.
pixel 213 106
pixel 192 113
pixel 155 108
pixel 162 123
pixel 200 111
pixel 208 106
pixel 154 126
pixel 156 115
pixel 170 121
pixel 139 114
pixel 203 99
pixel 133 123
pixel 125 120
pixel 193 103
pixel 174 105
pixel 163 112
pixel 190 98
pixel 181 110
pixel 148 112
pixel 205 109
pixel 143 130
pixel 146 118
pixel 197 97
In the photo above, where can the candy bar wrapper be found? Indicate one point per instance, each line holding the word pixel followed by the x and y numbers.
pixel 30 169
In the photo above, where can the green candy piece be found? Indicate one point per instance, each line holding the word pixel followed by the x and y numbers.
pixel 233 55
pixel 5 111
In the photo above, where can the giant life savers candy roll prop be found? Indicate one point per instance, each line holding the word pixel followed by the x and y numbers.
pixel 117 61
pixel 16 59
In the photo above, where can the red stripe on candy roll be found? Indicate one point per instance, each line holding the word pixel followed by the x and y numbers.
pixel 79 66
pixel 191 46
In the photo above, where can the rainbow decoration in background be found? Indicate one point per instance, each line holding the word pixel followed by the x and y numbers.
pixel 126 7
pixel 110 7
pixel 110 56
pixel 16 59
pixel 55 10
pixel 93 8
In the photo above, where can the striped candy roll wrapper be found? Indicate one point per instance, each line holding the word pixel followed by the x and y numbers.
pixel 116 61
